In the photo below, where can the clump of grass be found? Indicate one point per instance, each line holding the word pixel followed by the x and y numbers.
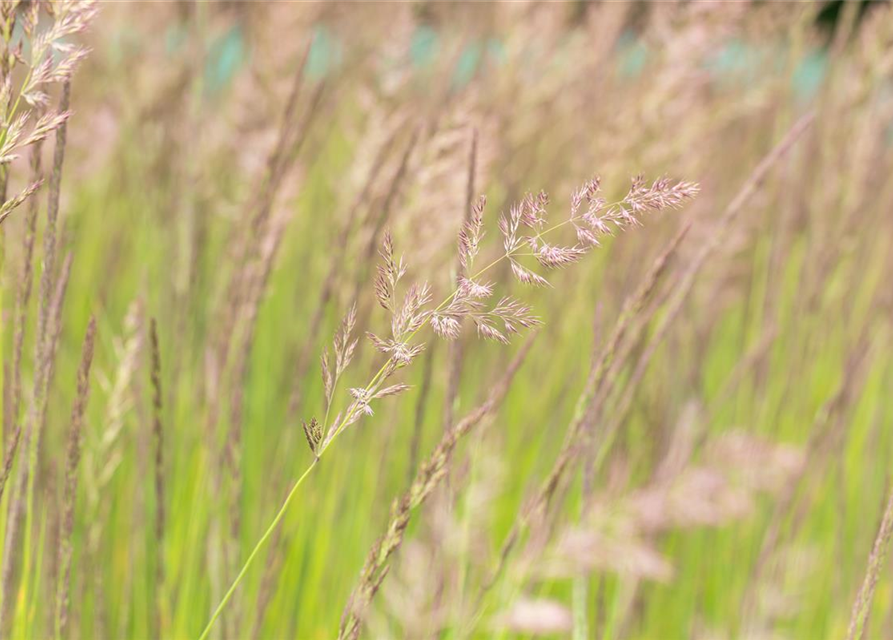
pixel 25 122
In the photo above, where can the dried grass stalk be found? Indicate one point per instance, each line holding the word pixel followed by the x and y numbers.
pixel 249 251
pixel 45 356
pixel 71 480
pixel 387 206
pixel 158 437
pixel 455 348
pixel 22 300
pixel 862 605
pixel 73 18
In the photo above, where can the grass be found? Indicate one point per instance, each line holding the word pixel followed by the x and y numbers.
pixel 696 444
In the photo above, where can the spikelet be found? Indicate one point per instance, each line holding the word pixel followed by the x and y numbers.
pixel 471 234
pixel 313 433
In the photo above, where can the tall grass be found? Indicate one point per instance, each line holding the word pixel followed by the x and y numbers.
pixel 283 227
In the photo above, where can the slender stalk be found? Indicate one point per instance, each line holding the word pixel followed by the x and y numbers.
pixel 158 434
pixel 862 605
pixel 71 481
pixel 25 504
pixel 257 548
pixel 43 358
pixel 243 246
pixel 421 404
pixel 255 287
pixel 268 582
pixel 455 348
pixel 24 297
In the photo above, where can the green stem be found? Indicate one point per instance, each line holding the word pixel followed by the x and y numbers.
pixel 254 552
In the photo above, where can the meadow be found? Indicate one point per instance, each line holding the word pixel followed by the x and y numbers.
pixel 441 320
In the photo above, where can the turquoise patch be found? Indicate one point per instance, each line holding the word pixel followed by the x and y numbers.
pixel 225 56
pixel 423 47
pixel 809 74
pixel 324 55
pixel 467 65
pixel 632 55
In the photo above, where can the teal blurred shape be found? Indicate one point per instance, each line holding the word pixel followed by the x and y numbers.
pixel 423 47
pixel 632 55
pixel 734 58
pixel 736 61
pixel 496 50
pixel 174 38
pixel 225 55
pixel 810 73
pixel 467 64
pixel 324 55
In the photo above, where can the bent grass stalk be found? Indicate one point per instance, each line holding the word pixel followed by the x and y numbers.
pixel 342 424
